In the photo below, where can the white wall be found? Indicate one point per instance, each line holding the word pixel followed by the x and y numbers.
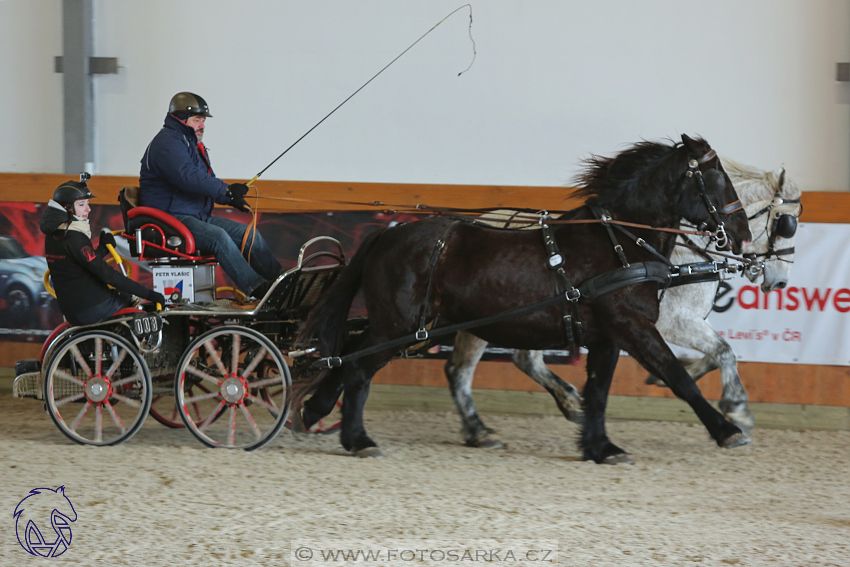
pixel 554 80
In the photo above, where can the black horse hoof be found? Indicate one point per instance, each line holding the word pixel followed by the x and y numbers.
pixel 736 440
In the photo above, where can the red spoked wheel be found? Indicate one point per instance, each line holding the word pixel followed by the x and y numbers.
pixel 248 383
pixel 164 408
pixel 97 388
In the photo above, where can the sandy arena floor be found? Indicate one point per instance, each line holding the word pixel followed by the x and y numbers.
pixel 164 499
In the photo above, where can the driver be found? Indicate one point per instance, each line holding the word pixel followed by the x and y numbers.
pixel 176 177
pixel 79 272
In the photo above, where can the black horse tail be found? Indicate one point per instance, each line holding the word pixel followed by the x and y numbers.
pixel 326 321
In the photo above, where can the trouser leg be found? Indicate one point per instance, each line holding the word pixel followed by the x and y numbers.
pixel 257 251
pixel 219 241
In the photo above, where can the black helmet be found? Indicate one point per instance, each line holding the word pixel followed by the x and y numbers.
pixel 71 191
pixel 188 103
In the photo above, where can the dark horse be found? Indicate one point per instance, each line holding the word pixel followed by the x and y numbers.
pixel 465 272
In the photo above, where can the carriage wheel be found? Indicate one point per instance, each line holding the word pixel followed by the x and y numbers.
pixel 164 407
pixel 97 388
pixel 239 367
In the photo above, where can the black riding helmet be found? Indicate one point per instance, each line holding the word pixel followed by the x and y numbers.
pixel 72 191
pixel 188 104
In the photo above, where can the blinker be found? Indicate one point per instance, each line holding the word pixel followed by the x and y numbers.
pixel 785 226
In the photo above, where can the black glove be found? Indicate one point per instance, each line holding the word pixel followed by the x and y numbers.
pixel 237 189
pixel 239 204
pixel 106 238
pixel 156 297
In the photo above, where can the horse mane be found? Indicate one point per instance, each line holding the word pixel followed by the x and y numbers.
pixel 754 184
pixel 630 178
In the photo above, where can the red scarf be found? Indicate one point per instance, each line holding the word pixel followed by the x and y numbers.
pixel 204 156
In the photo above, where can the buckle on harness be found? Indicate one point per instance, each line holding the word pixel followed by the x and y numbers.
pixel 329 362
pixel 421 335
pixel 572 294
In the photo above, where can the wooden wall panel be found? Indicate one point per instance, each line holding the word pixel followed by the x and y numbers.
pixel 775 383
pixel 779 383
pixel 330 195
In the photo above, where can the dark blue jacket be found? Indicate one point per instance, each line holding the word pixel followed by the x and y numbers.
pixel 174 176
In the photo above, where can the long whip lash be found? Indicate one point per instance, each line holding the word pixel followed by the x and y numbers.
pixel 399 56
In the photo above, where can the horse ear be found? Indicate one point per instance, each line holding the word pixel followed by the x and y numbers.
pixel 689 143
pixel 779 175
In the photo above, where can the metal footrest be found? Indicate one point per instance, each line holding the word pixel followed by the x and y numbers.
pixel 28 386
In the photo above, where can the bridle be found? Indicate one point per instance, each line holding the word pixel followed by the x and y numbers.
pixel 782 222
pixel 722 240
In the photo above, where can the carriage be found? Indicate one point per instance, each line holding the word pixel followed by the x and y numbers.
pixel 219 367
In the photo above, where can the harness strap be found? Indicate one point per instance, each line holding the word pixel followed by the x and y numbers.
pixel 596 286
pixel 606 218
pixel 425 309
pixel 555 262
pixel 645 245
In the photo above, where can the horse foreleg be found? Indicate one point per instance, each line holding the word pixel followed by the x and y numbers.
pixel 719 354
pixel 565 394
pixel 697 368
pixel 460 371
pixel 356 381
pixel 353 435
pixel 646 345
pixel 601 362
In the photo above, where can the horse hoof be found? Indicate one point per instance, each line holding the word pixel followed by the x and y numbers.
pixel 736 440
pixel 296 422
pixel 486 440
pixel 618 459
pixel 743 419
pixel 368 452
pixel 487 443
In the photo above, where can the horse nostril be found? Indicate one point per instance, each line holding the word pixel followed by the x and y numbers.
pixel 780 285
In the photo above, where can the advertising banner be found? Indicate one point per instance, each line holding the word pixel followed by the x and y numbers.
pixel 807 322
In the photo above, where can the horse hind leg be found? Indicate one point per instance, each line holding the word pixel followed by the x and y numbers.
pixel 565 394
pixel 460 371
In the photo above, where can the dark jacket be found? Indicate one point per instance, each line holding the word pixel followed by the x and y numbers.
pixel 79 272
pixel 175 176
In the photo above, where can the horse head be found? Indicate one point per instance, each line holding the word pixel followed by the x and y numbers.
pixel 773 221
pixel 660 184
pixel 708 198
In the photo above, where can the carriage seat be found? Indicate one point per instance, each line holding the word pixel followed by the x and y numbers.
pixel 154 234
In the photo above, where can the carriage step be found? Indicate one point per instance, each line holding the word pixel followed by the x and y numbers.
pixel 27 386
